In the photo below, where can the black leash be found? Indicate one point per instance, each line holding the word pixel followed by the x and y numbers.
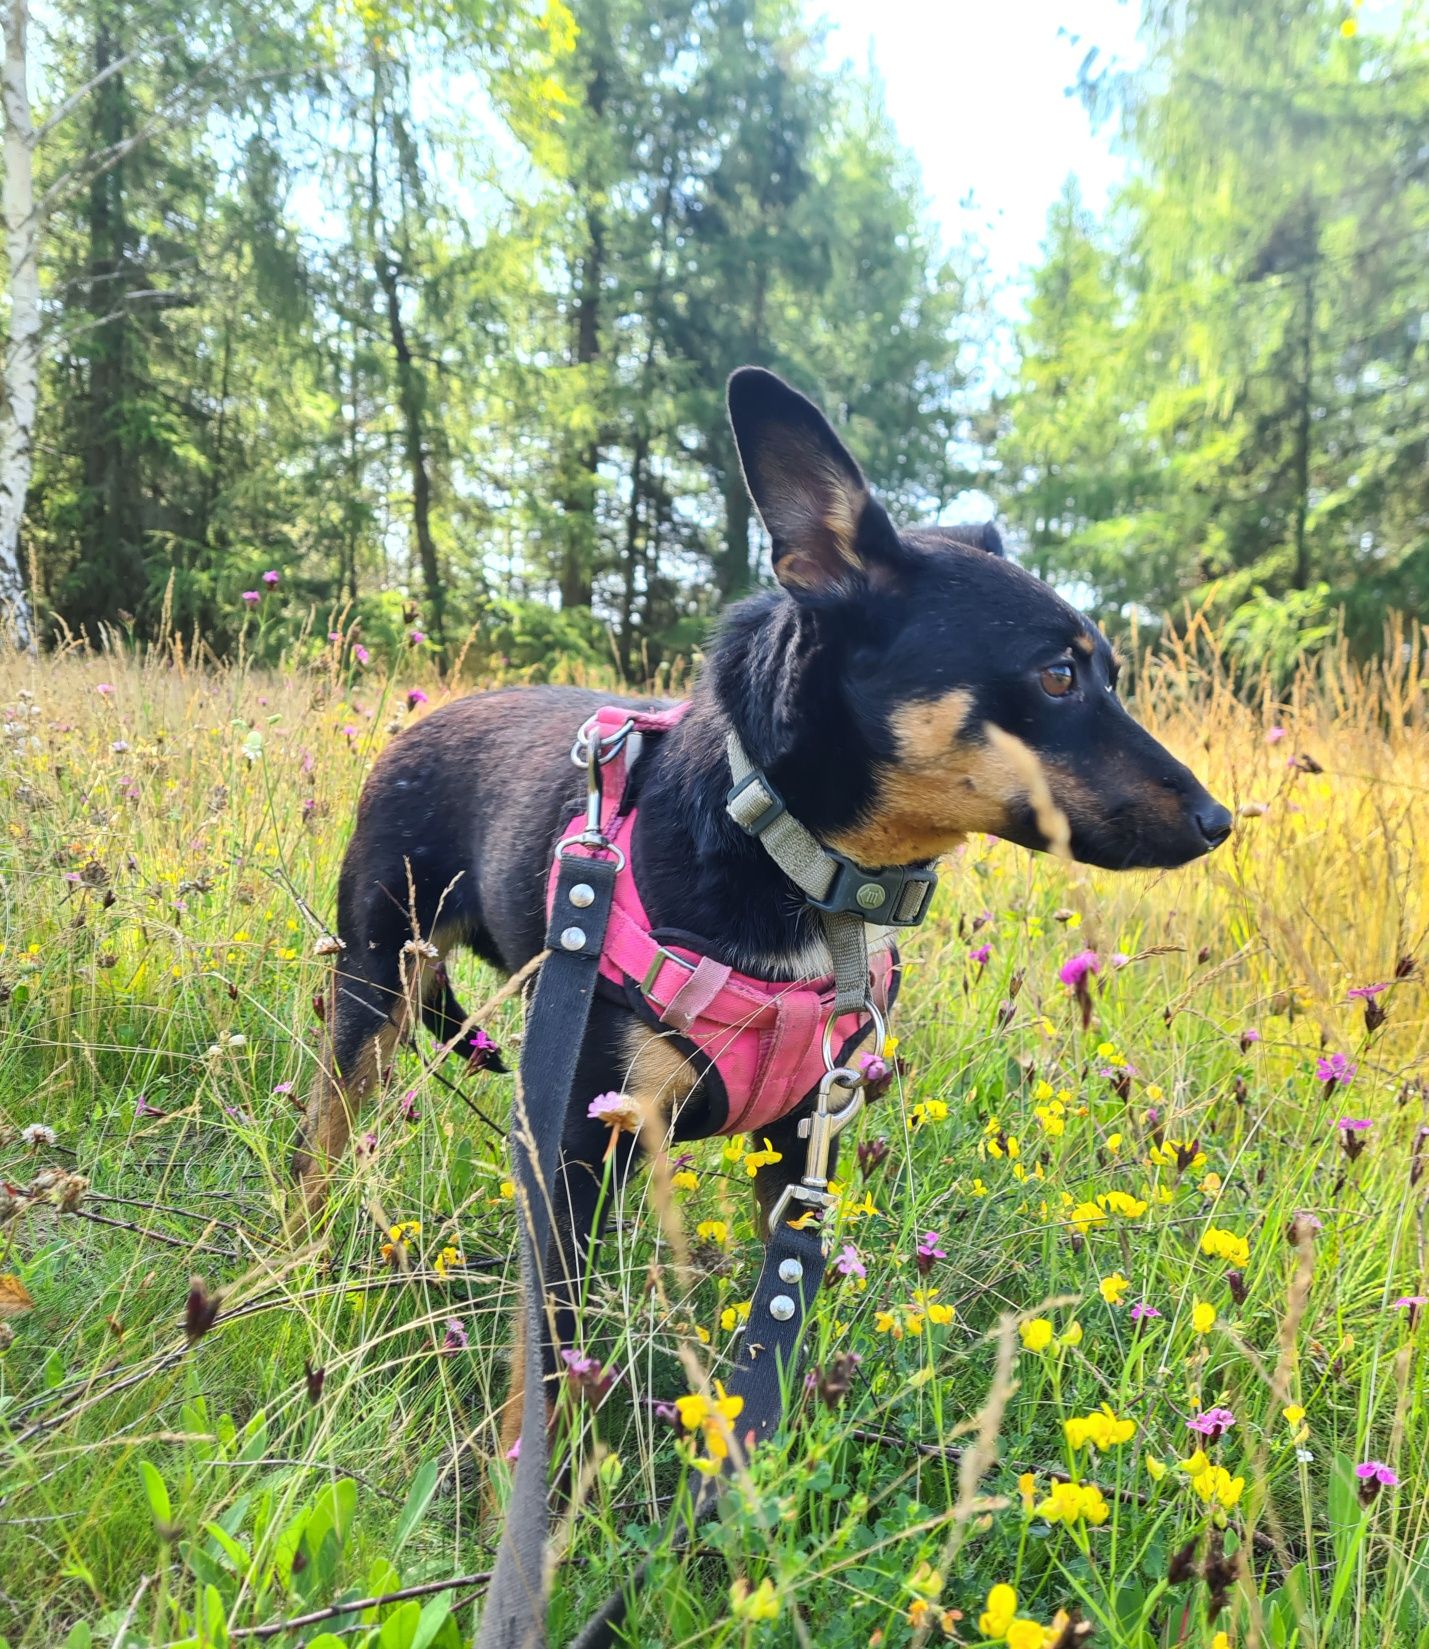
pixel 514 1616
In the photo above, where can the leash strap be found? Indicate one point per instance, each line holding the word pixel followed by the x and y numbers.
pixel 515 1612
pixel 769 1358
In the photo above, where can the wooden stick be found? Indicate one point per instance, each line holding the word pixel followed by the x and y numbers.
pixel 358 1604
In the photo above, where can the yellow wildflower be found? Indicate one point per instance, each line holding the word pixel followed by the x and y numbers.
pixel 1036 1335
pixel 1071 1502
pixel 1000 1612
pixel 1121 1202
pixel 1157 1468
pixel 1113 1288
pixel 1294 1414
pixel 1027 1492
pixel 1101 1428
pixel 760 1604
pixel 711 1416
pixel 927 1110
pixel 1225 1245
pixel 1216 1484
pixel 733 1315
pixel 685 1179
pixel 715 1231
pixel 1026 1634
pixel 756 1160
pixel 1203 1317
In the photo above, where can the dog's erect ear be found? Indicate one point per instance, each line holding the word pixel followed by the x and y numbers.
pixel 829 533
pixel 978 535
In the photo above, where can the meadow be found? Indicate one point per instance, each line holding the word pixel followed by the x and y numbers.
pixel 1124 1341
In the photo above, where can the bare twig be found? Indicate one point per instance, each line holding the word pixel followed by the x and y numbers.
pixel 333 1611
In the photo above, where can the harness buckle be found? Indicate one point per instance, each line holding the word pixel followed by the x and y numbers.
pixel 773 808
pixel 652 973
pixel 897 898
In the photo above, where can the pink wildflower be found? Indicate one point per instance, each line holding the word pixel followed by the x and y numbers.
pixel 270 578
pixel 456 1336
pixel 848 1264
pixel 1213 1424
pixel 1074 971
pixel 928 1251
pixel 980 955
pixel 415 696
pixel 1337 1070
pixel 251 597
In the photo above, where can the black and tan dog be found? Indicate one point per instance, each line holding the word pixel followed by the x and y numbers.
pixel 868 687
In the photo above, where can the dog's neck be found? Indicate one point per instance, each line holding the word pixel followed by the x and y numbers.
pixel 772 679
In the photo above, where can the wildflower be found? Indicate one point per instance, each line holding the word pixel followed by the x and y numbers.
pixel 1273 735
pixel 1156 1468
pixel 755 1160
pixel 1373 1476
pixel 142 1108
pixel 760 1604
pixel 1225 1245
pixel 833 1383
pixel 864 1208
pixel 1247 1039
pixel 1101 1428
pixel 407 1106
pixel 1036 1335
pixel 1203 1317
pixel 1112 1288
pixel 1085 1215
pixel 36 1134
pixel 617 1111
pixel 415 696
pixel 251 598
pixel 1141 1312
pixel 399 1236
pixel 713 1418
pixel 979 1189
pixel 1073 1502
pixel 999 1614
pixel 1074 971
pixel 1027 1492
pixel 513 1454
pixel 1215 1485
pixel 1352 1132
pixel 270 578
pixel 1121 1202
pixel 733 1315
pixel 980 955
pixel 587 1374
pixel 1301 1227
pixel 927 1110
pixel 848 1263
pixel 925 1305
pixel 456 1338
pixel 1179 1154
pixel 448 1259
pixel 1213 1424
pixel 1294 1414
pixel 1410 1304
pixel 1336 1071
pixel 872 1154
pixel 104 688
pixel 928 1252
pixel 685 1179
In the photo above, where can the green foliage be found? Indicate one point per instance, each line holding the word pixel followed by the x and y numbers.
pixel 1222 385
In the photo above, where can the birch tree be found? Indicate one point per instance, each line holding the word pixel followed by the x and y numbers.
pixel 22 355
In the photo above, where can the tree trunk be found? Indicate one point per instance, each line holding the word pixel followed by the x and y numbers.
pixel 1303 429
pixel 22 359
pixel 733 570
pixel 410 395
pixel 578 558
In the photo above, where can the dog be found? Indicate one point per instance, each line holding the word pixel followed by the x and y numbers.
pixel 889 686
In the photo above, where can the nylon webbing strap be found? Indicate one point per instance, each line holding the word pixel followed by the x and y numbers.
pixel 769 1359
pixel 798 854
pixel 515 1612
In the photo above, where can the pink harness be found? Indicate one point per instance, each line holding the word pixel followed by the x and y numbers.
pixel 761 1039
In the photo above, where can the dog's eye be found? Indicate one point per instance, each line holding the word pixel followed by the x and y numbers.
pixel 1058 679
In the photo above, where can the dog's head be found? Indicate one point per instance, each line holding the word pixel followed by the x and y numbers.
pixel 938 670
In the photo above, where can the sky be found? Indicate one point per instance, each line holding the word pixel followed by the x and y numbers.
pixel 978 91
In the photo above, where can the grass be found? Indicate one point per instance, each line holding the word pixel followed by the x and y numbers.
pixel 169 846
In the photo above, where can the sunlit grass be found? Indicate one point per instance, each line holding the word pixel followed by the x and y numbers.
pixel 169 841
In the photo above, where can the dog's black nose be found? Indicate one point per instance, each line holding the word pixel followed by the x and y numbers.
pixel 1214 823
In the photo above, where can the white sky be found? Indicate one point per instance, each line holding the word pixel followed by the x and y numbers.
pixel 978 91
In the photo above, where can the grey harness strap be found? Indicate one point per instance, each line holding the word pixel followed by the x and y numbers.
pixel 846 894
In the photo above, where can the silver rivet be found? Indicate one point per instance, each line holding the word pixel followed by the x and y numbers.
pixel 871 895
pixel 781 1308
pixel 790 1271
pixel 573 938
pixel 582 894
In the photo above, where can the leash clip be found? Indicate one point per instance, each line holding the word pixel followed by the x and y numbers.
pixel 821 1128
pixel 592 750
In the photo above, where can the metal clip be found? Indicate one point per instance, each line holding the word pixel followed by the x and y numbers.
pixel 821 1128
pixel 592 751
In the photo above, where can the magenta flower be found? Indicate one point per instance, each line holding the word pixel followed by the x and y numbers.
pixel 1141 1312
pixel 416 637
pixel 415 696
pixel 104 688
pixel 980 955
pixel 1354 1125
pixel 513 1454
pixel 1248 1038
pixel 408 1107
pixel 1119 958
pixel 270 578
pixel 142 1108
pixel 1374 1475
pixel 874 1068
pixel 456 1336
pixel 1411 1305
pixel 252 597
pixel 360 653
pixel 1074 971
pixel 617 1111
pixel 928 1251
pixel 1273 735
pixel 848 1264
pixel 586 1373
pixel 1367 993
pixel 1337 1069
pixel 1213 1424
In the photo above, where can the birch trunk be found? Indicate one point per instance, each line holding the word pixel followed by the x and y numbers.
pixel 22 356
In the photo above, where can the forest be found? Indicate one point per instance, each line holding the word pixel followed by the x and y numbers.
pixel 421 312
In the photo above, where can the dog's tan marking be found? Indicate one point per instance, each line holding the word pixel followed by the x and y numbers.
pixel 944 784
pixel 658 1077
pixel 1084 643
pixel 333 1106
